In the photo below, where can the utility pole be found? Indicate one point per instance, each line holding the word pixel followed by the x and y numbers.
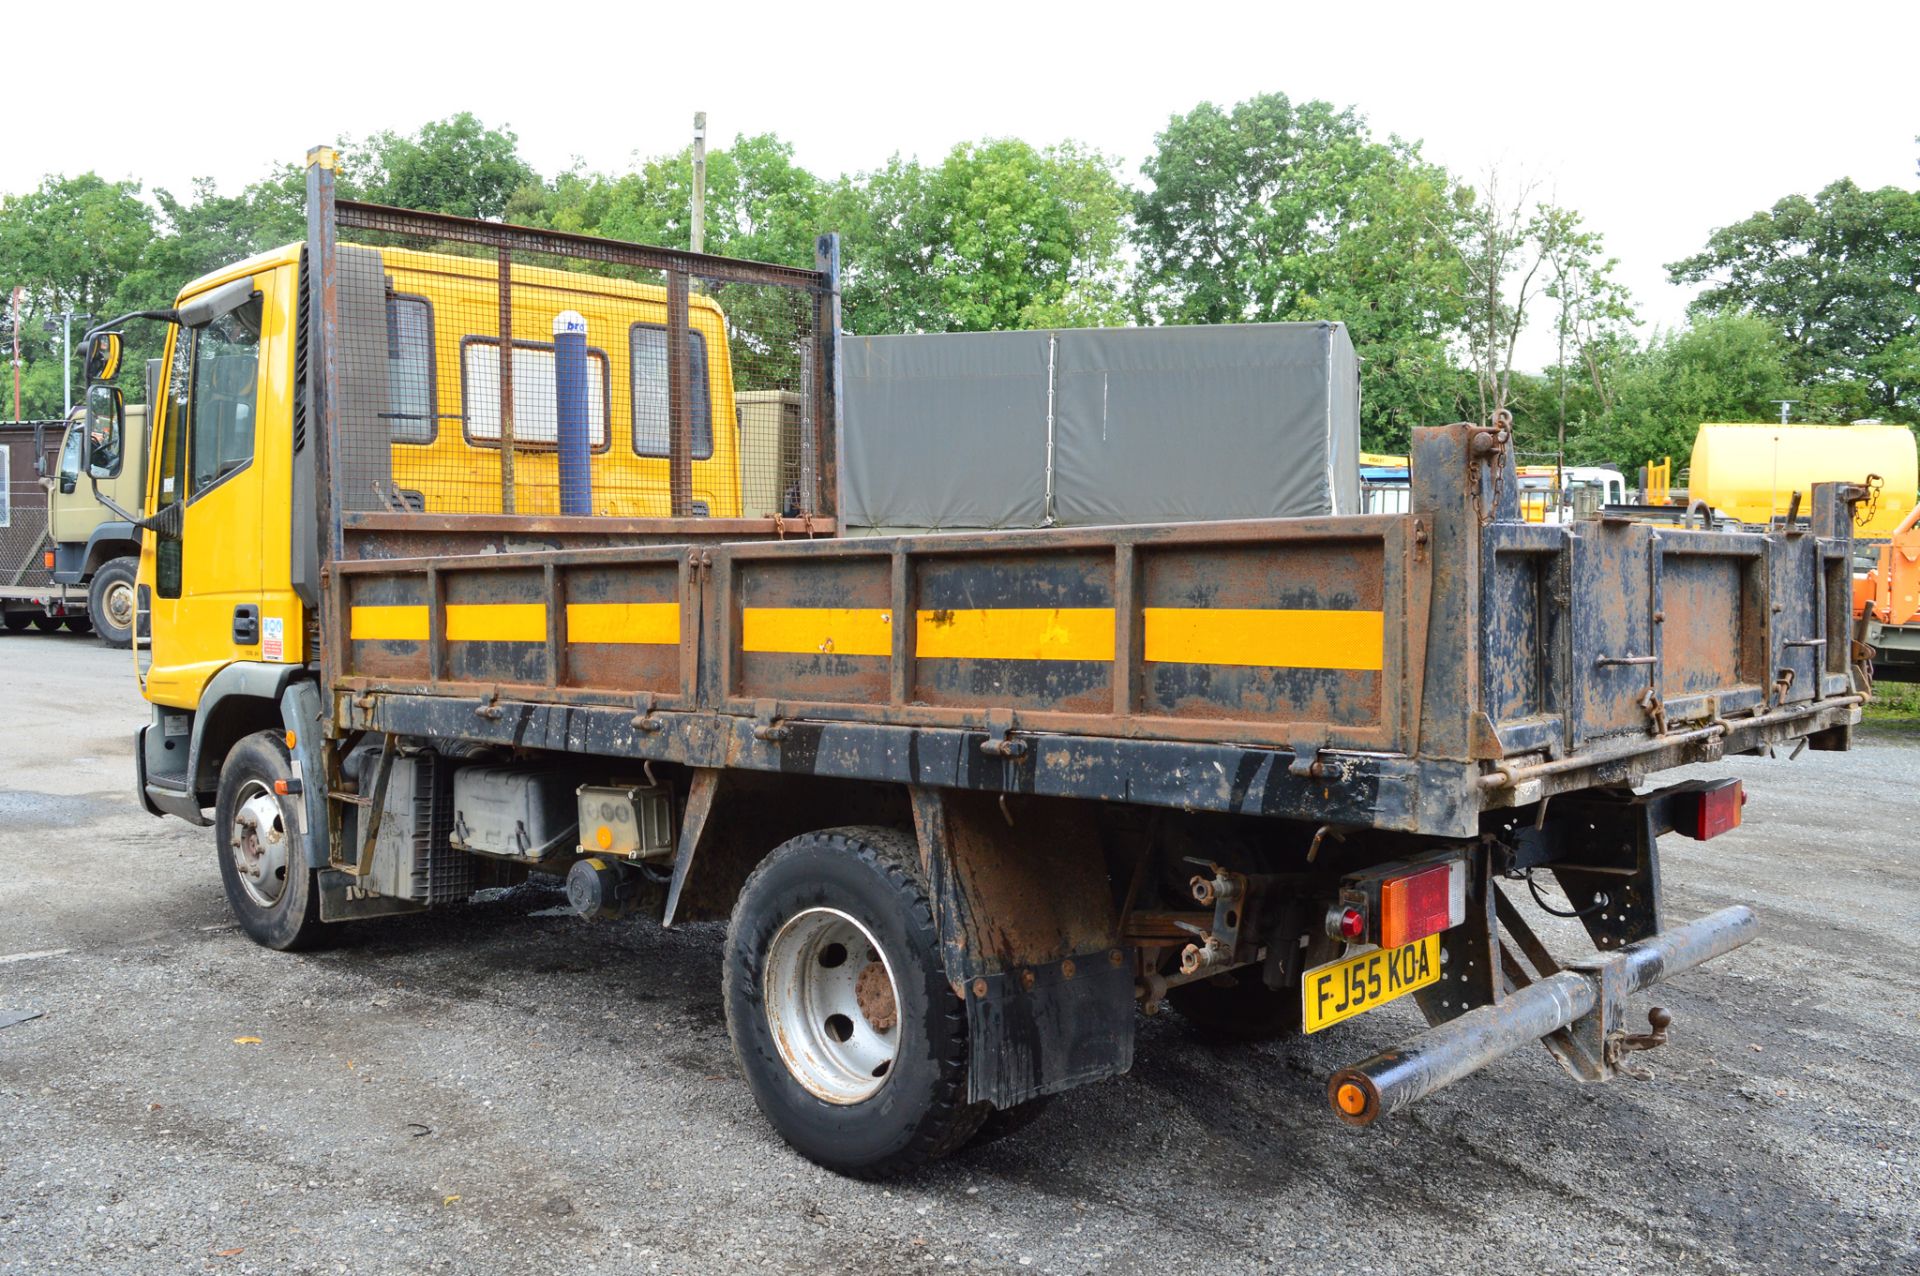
pixel 17 293
pixel 699 181
pixel 66 359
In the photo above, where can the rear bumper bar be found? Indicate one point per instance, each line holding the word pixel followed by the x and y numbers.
pixel 1584 1004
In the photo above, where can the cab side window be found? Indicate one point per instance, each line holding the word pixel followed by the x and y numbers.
pixel 410 388
pixel 226 384
pixel 173 459
pixel 652 423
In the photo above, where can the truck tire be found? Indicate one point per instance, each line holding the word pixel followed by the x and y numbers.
pixel 17 621
pixel 273 892
pixel 1238 1006
pixel 46 624
pixel 852 1040
pixel 77 624
pixel 110 601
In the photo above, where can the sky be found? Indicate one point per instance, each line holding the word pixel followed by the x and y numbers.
pixel 1658 122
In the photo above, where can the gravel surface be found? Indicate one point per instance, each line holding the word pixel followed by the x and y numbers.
pixel 509 1089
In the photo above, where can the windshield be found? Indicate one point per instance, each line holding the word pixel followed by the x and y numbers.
pixel 70 454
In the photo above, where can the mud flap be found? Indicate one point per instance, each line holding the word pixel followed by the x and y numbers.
pixel 1026 922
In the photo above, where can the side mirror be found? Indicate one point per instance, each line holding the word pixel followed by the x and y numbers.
pixel 102 356
pixel 103 429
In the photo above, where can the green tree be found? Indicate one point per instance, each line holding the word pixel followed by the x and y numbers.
pixel 1838 276
pixel 999 235
pixel 457 165
pixel 1273 211
pixel 1721 368
pixel 69 244
pixel 760 204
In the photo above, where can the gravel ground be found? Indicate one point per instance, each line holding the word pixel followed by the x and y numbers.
pixel 509 1089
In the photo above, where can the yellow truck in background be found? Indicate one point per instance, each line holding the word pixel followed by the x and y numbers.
pixel 1750 471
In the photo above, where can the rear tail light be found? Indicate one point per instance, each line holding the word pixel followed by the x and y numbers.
pixel 1719 810
pixel 1423 903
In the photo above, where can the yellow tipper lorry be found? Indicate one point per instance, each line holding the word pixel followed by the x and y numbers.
pixel 971 801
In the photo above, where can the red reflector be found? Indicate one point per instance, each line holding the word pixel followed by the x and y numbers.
pixel 1719 810
pixel 1415 906
pixel 1353 924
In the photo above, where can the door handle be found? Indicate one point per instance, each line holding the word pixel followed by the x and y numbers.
pixel 246 625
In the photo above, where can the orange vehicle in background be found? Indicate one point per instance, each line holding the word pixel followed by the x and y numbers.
pixel 1886 602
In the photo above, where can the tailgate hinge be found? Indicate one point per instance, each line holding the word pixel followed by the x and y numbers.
pixel 643 715
pixel 1000 741
pixel 766 721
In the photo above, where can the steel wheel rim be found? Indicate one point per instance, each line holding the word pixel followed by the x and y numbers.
pixel 257 843
pixel 117 603
pixel 833 1005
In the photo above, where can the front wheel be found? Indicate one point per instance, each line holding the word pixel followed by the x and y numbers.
pixel 110 601
pixel 851 1039
pixel 263 864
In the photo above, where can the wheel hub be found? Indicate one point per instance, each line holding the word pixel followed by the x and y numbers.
pixel 258 843
pixel 833 1005
pixel 117 603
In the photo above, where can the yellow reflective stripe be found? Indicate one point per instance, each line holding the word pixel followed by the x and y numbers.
pixel 843 631
pixel 655 623
pixel 1272 637
pixel 388 624
pixel 1016 633
pixel 496 622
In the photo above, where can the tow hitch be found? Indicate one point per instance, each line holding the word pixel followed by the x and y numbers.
pixel 1578 1012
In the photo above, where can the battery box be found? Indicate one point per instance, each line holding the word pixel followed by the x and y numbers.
pixel 513 812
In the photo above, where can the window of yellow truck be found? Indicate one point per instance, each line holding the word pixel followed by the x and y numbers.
pixel 226 381
pixel 536 416
pixel 414 410
pixel 652 431
pixel 173 460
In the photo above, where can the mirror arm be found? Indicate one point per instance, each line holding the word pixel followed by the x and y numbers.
pixel 166 523
pixel 164 316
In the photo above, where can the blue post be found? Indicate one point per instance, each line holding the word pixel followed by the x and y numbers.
pixel 570 390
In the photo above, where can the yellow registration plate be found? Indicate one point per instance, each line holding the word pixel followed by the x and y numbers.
pixel 1343 989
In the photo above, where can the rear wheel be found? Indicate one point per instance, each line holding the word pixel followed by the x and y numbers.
pixel 46 624
pixel 851 1039
pixel 17 621
pixel 263 861
pixel 77 624
pixel 1238 1006
pixel 110 601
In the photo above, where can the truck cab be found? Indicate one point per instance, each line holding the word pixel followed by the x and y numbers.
pixel 218 590
pixel 93 548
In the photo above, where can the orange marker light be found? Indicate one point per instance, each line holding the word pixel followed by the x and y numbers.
pixel 1351 1098
pixel 49 560
pixel 1421 904
pixel 292 739
pixel 604 836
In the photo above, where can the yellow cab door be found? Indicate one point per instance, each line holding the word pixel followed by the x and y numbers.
pixel 206 585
